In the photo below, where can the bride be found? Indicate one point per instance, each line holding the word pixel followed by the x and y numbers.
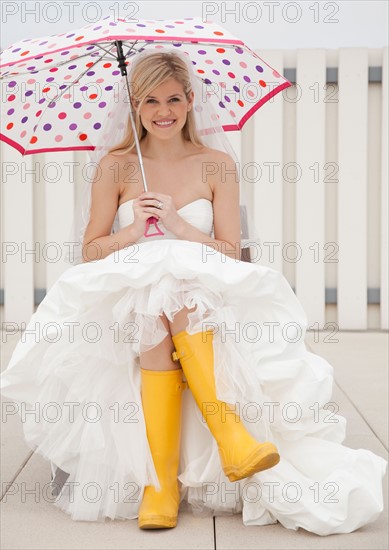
pixel 201 395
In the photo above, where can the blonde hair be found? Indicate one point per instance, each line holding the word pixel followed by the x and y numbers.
pixel 148 73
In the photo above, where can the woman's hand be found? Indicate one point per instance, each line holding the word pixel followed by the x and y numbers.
pixel 146 205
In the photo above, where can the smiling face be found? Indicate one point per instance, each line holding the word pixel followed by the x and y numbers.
pixel 164 111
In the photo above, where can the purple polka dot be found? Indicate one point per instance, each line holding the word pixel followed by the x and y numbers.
pixel 65 53
pixel 102 104
pixel 227 98
pixel 207 81
pixel 70 35
pixel 11 84
pixel 236 88
pixel 198 27
pixel 10 112
pixel 72 67
pixel 97 28
pixel 72 126
pixel 97 125
pixel 238 50
pixel 28 93
pixel 41 100
pixel 77 105
pixel 50 79
pixel 52 104
pixel 24 119
pixel 90 73
pixel 202 52
pixel 108 88
pixel 247 78
pixel 226 62
pixel 84 88
pixel 47 127
pixel 115 73
pixel 259 68
pixel 17 50
pixel 221 104
pixel 215 71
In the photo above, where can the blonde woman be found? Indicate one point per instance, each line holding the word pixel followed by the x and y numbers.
pixel 175 312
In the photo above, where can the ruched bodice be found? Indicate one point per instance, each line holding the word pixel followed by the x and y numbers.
pixel 198 213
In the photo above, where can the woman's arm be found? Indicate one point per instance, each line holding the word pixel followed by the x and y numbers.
pixel 98 242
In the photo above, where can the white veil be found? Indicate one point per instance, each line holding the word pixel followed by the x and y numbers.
pixel 115 128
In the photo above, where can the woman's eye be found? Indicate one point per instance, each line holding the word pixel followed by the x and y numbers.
pixel 172 99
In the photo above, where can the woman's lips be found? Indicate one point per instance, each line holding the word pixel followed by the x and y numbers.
pixel 164 123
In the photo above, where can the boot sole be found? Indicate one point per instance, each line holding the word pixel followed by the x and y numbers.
pixel 262 458
pixel 157 522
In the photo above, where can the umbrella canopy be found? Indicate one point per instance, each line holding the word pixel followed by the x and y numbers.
pixel 57 90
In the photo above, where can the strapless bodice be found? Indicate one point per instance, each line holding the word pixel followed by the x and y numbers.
pixel 198 213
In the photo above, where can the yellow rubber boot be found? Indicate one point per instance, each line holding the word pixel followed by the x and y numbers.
pixel 241 455
pixel 161 402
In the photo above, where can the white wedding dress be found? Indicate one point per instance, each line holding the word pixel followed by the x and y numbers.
pixel 77 366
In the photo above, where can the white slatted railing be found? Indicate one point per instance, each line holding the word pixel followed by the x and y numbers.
pixel 291 154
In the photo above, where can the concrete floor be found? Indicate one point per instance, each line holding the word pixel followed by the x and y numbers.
pixel 360 361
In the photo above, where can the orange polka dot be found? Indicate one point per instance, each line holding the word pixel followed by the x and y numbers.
pixel 25 53
pixel 93 96
pixel 46 90
pixel 82 137
pixel 200 71
pixel 79 38
pixel 219 33
pixel 107 65
pixel 220 50
pixel 10 126
pixel 159 30
pixel 90 64
pixel 262 83
pixel 34 139
pixel 240 102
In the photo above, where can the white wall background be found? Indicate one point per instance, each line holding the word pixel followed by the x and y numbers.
pixel 278 24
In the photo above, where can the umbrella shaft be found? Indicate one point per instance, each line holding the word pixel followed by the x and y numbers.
pixel 123 69
pixel 137 145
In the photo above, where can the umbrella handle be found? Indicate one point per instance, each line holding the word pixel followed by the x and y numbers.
pixel 149 222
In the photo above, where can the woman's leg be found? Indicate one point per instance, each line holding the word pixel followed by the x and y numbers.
pixel 161 386
pixel 241 455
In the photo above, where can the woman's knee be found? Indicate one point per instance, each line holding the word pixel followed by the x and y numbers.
pixel 180 320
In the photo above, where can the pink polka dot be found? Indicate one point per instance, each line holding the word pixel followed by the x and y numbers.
pixel 87 115
pixel 31 81
pixel 243 64
pixel 26 106
pixel 58 138
pixel 22 134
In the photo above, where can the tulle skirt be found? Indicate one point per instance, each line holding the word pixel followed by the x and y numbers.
pixel 77 367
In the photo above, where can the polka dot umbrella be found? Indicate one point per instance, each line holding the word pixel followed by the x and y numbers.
pixel 56 89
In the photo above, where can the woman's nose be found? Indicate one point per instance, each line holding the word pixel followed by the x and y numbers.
pixel 164 109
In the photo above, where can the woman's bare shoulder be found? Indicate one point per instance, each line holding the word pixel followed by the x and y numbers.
pixel 216 155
